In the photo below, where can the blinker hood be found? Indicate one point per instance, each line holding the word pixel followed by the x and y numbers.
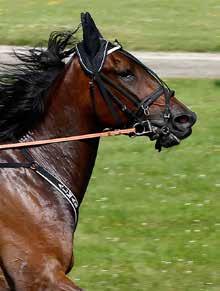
pixel 92 50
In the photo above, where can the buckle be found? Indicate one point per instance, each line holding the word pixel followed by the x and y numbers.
pixel 145 110
pixel 143 128
pixel 34 166
pixel 165 130
pixel 166 116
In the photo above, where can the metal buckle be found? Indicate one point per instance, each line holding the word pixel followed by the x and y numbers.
pixel 124 108
pixel 145 110
pixel 34 166
pixel 143 128
pixel 165 130
pixel 166 116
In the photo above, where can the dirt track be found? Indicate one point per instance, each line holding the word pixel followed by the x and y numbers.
pixel 169 65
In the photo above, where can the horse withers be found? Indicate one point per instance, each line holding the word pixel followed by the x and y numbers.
pixel 42 96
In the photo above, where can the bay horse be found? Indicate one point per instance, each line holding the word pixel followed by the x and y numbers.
pixel 43 95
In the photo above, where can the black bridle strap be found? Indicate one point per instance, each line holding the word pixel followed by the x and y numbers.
pixel 131 98
pixel 123 107
pixel 114 99
pixel 12 165
pixel 168 95
pixel 106 98
pixel 150 100
pixel 151 72
pixel 167 92
pixel 142 105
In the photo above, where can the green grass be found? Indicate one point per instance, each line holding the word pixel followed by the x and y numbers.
pixel 150 221
pixel 190 25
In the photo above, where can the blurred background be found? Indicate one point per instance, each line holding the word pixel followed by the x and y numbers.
pixel 149 221
pixel 190 25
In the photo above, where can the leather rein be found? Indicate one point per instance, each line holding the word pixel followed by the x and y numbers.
pixel 129 131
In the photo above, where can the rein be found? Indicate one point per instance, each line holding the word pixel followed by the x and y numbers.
pixel 129 131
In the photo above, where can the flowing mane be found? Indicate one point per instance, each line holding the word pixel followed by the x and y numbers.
pixel 24 86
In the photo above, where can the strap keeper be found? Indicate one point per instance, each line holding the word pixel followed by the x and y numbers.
pixel 34 166
pixel 124 108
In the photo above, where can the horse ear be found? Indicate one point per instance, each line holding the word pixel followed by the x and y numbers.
pixel 91 34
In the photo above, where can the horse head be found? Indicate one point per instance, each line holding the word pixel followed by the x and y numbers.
pixel 130 91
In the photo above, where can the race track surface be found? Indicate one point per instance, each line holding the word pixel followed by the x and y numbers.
pixel 166 64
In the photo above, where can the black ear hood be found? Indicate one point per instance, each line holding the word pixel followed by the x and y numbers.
pixel 92 50
pixel 91 35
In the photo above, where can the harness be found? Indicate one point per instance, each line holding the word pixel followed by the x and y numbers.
pixel 139 119
pixel 47 176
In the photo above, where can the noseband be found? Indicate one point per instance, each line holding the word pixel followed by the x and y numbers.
pixel 140 118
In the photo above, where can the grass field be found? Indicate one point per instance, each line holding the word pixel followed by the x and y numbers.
pixel 190 25
pixel 150 221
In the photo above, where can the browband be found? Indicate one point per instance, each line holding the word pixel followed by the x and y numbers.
pixel 95 64
pixel 110 51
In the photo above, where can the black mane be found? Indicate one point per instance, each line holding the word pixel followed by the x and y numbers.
pixel 24 86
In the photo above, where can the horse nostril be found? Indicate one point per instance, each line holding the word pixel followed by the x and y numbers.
pixel 181 119
pixel 184 121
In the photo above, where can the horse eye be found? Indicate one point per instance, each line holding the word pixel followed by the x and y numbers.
pixel 126 75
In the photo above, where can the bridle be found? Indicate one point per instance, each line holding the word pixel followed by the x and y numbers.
pixel 140 118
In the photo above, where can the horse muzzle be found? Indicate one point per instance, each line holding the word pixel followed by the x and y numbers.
pixel 179 127
pixel 167 134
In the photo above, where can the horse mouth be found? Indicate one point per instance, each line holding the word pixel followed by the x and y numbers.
pixel 167 137
pixel 166 134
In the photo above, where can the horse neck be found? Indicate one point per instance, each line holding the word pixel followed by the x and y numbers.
pixel 70 113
